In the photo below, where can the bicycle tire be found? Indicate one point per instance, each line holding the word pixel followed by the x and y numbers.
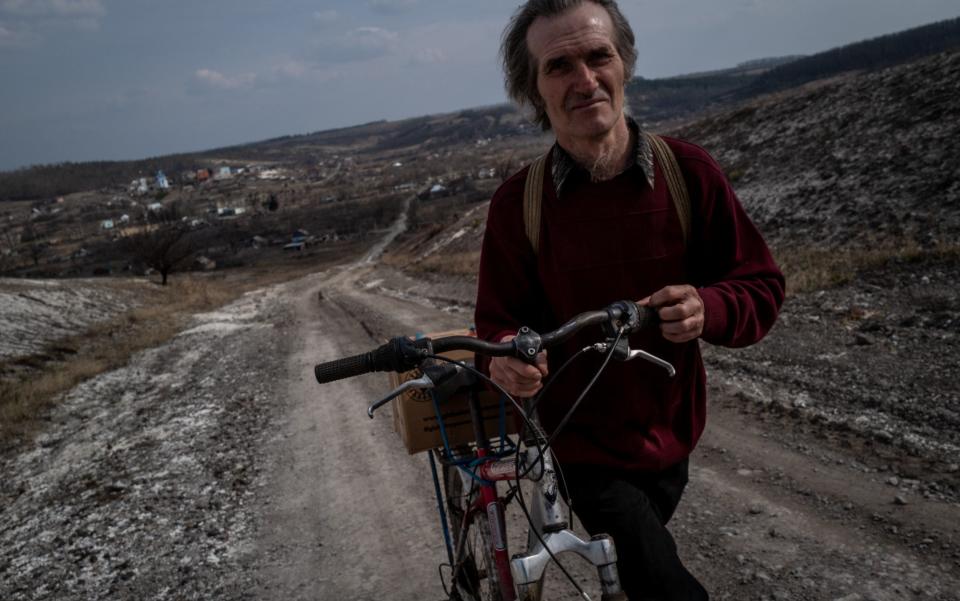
pixel 474 567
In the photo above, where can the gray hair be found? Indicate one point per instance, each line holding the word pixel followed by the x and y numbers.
pixel 520 69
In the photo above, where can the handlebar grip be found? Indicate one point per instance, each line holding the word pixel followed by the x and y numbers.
pixel 339 369
pixel 649 317
pixel 400 354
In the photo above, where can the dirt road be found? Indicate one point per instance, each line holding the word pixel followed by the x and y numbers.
pixel 214 467
pixel 771 511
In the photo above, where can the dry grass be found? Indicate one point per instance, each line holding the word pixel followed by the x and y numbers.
pixel 808 269
pixel 42 378
pixel 461 264
pixel 102 347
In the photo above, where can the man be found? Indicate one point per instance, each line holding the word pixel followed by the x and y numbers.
pixel 609 231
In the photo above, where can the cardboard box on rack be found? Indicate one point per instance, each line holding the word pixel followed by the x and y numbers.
pixel 415 419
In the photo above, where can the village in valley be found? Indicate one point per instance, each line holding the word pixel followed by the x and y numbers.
pixel 235 213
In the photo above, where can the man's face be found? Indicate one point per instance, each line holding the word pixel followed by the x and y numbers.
pixel 579 72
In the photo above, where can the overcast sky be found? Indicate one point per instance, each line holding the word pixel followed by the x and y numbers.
pixel 126 79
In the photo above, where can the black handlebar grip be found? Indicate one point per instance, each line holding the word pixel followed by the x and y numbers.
pixel 339 369
pixel 649 317
pixel 400 354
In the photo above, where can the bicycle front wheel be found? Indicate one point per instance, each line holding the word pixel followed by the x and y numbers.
pixel 475 573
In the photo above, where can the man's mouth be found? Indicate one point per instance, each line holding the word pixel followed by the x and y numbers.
pixel 584 104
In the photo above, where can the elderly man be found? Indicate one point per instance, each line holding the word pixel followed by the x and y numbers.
pixel 609 230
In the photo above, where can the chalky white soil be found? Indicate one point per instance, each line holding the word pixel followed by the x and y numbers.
pixel 34 313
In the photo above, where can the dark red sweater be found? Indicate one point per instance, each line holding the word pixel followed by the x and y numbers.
pixel 615 240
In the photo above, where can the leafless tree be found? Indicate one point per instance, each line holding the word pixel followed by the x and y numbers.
pixel 9 240
pixel 506 166
pixel 165 247
pixel 36 247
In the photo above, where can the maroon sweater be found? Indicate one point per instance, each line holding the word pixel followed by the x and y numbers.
pixel 615 240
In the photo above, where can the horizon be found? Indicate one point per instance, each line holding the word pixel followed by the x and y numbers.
pixel 98 80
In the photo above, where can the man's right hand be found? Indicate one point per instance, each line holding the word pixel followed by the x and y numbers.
pixel 516 377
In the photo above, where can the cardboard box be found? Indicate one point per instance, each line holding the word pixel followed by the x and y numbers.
pixel 415 419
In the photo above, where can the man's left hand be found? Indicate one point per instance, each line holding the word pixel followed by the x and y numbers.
pixel 681 312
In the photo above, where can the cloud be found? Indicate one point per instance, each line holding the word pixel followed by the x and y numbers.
pixel 10 36
pixel 26 21
pixel 301 72
pixel 429 56
pixel 326 16
pixel 362 43
pixel 391 6
pixel 54 8
pixel 210 79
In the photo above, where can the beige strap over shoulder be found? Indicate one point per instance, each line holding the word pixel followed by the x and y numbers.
pixel 533 191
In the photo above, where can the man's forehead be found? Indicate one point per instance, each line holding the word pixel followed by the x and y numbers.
pixel 588 24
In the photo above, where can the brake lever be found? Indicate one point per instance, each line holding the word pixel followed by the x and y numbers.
pixel 623 352
pixel 416 383
pixel 637 353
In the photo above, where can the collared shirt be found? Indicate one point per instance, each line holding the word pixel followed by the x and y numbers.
pixel 564 166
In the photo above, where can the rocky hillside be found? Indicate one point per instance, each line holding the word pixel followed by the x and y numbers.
pixel 852 160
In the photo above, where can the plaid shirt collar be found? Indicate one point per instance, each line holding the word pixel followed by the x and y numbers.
pixel 564 166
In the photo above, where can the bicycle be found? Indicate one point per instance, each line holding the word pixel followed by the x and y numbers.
pixel 475 533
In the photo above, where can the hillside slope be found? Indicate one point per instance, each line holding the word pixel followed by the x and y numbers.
pixel 853 160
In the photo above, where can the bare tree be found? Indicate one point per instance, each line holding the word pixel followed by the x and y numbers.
pixel 36 247
pixel 506 166
pixel 8 247
pixel 165 248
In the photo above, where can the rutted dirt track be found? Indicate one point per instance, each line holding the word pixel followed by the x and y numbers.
pixel 214 467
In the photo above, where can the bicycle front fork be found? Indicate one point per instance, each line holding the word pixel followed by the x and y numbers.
pixel 528 570
pixel 555 538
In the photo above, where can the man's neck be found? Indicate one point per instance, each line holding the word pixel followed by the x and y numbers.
pixel 603 157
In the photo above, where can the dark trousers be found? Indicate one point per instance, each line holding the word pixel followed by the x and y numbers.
pixel 634 509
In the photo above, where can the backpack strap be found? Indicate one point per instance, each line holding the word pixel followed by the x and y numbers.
pixel 532 197
pixel 675 183
pixel 677 187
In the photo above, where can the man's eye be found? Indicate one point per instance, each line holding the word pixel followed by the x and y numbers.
pixel 600 58
pixel 556 67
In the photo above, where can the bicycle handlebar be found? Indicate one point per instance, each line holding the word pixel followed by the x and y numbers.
pixel 403 354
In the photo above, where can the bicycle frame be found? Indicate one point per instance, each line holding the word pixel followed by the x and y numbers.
pixel 548 535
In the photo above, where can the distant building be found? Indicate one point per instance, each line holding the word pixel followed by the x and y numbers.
pixel 162 182
pixel 224 173
pixel 106 224
pixel 139 186
pixel 204 263
pixel 155 207
pixel 435 191
pixel 270 174
pixel 203 175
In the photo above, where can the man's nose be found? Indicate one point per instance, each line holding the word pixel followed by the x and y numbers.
pixel 585 79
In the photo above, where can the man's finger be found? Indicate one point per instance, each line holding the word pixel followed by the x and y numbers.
pixel 677 312
pixel 669 295
pixel 682 330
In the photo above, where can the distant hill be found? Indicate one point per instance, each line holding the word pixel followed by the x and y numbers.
pixel 428 132
pixel 868 55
